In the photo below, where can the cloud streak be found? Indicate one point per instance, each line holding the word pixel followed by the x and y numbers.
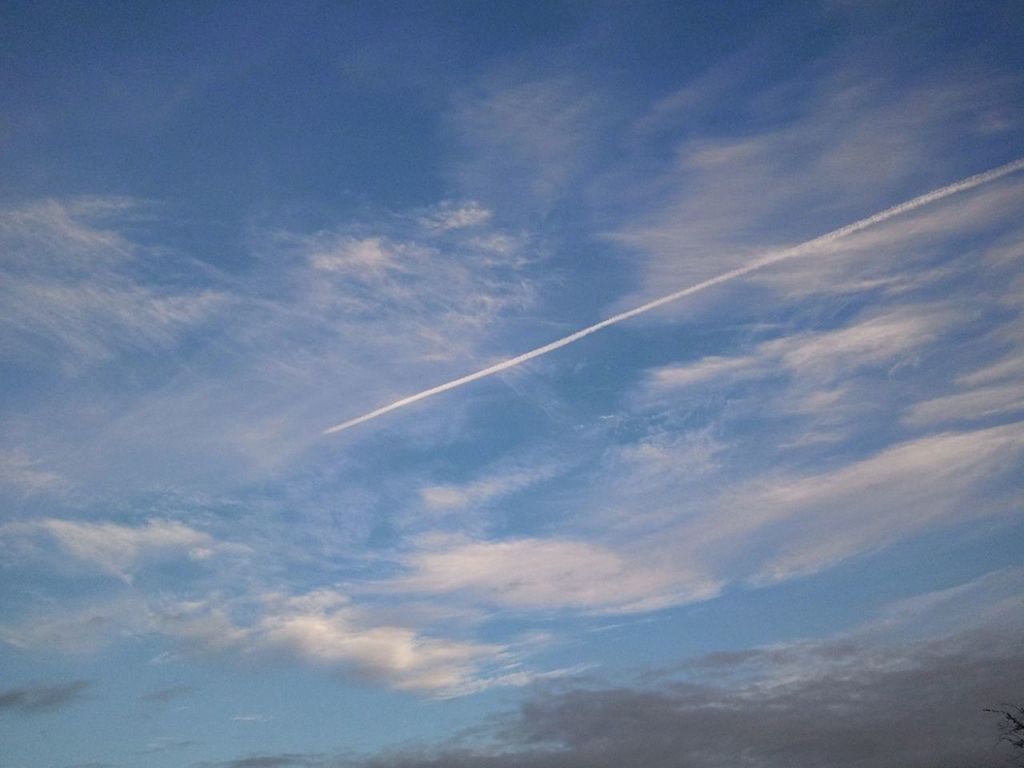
pixel 32 700
pixel 802 249
pixel 117 549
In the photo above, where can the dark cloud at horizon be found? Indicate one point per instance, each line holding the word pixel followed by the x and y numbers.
pixel 842 704
pixel 42 698
pixel 273 761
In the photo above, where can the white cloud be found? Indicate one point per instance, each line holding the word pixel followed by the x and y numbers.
pixel 820 356
pixel 686 531
pixel 118 549
pixel 818 386
pixel 1009 367
pixel 71 291
pixel 547 574
pixel 324 628
pixel 66 232
pixel 815 521
pixel 26 475
pixel 872 341
pixel 496 485
pixel 650 484
pixel 856 345
pixel 429 301
pixel 670 377
pixel 449 215
pixel 368 257
pixel 727 197
pixel 975 404
pixel 904 255
pixel 328 321
pixel 319 322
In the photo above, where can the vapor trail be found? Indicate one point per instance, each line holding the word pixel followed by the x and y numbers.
pixel 771 258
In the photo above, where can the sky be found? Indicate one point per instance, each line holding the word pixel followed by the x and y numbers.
pixel 258 511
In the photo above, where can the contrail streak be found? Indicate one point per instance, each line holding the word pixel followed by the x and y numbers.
pixel 772 258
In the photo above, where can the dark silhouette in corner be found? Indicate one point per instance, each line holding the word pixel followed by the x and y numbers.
pixel 1011 729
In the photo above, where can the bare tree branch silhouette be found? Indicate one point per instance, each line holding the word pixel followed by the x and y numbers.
pixel 1011 729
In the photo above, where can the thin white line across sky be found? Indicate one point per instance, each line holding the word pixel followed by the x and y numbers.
pixel 771 258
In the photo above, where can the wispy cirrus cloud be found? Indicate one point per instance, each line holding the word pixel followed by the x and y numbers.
pixel 820 356
pixel 25 474
pixel 404 281
pixel 900 491
pixel 976 404
pixel 657 524
pixel 727 195
pixel 117 549
pixel 451 215
pixel 75 288
pixel 780 525
pixel 315 315
pixel 398 289
pixel 526 139
pixel 496 485
pixel 546 574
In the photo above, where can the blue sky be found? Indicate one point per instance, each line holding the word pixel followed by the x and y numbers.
pixel 226 228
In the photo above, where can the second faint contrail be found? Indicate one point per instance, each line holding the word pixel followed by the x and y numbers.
pixel 772 258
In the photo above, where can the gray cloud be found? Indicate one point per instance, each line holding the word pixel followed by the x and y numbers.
pixel 164 695
pixel 43 698
pixel 832 704
pixel 271 761
pixel 847 703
